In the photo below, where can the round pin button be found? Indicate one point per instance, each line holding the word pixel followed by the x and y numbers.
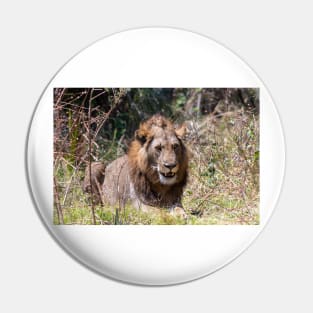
pixel 155 156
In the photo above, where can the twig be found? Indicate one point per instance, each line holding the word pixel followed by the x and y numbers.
pixel 69 185
pixel 90 158
pixel 57 202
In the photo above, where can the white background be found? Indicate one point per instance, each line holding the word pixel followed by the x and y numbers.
pixel 276 271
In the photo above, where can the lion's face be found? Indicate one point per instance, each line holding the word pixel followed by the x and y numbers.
pixel 165 155
pixel 159 151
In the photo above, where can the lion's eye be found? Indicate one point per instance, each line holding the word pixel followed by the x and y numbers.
pixel 175 146
pixel 158 148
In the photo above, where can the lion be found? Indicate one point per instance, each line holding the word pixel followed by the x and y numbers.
pixel 154 171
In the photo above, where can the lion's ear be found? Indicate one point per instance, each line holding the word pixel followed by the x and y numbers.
pixel 181 131
pixel 140 136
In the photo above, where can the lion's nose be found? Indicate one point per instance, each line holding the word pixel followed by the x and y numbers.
pixel 170 165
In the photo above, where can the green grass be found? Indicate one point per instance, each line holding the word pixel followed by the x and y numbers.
pixel 235 213
pixel 223 186
pixel 109 216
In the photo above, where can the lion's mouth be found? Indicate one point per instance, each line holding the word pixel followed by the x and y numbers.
pixel 168 175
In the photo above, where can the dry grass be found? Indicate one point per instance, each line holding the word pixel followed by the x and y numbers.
pixel 224 172
pixel 223 186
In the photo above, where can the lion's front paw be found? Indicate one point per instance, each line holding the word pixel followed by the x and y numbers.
pixel 179 212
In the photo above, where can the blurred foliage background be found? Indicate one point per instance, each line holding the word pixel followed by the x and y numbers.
pixel 97 124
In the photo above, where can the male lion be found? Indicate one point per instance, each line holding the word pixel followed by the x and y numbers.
pixel 154 172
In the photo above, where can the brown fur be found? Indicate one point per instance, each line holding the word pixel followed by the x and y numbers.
pixel 154 172
pixel 93 183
